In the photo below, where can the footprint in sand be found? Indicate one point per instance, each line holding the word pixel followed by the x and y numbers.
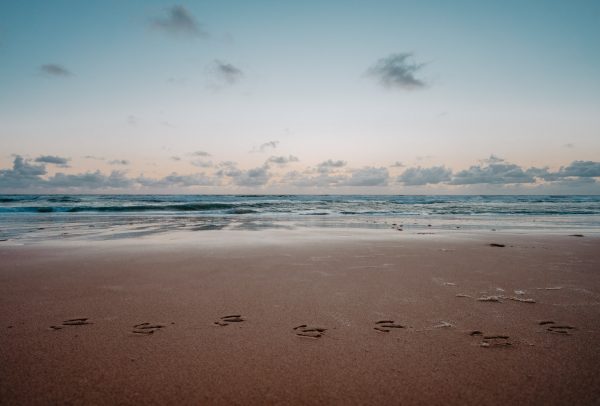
pixel 305 330
pixel 72 322
pixel 491 340
pixel 146 328
pixel 385 326
pixel 552 327
pixel 225 320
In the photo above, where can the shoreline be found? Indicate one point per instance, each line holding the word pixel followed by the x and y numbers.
pixel 294 235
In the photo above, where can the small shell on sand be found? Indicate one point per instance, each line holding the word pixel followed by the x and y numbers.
pixel 518 299
pixel 489 299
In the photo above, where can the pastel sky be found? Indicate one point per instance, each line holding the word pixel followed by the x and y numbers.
pixel 300 97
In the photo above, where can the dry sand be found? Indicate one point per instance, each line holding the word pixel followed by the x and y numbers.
pixel 436 300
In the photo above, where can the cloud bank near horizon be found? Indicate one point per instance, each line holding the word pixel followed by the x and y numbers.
pixel 32 175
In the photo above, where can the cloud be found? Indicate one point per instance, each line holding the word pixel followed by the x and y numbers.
pixel 496 171
pixel 53 69
pixel 327 166
pixel 90 180
pixel 569 145
pixel 302 179
pixel 175 158
pixel 583 169
pixel 119 162
pixel 398 72
pixel 22 174
pixel 99 158
pixel 493 159
pixel 368 176
pixel 51 159
pixel 424 176
pixel 179 21
pixel 252 177
pixel 397 164
pixel 226 72
pixel 489 175
pixel 176 180
pixel 576 170
pixel 202 164
pixel 22 168
pixel 542 173
pixel 259 176
pixel 201 153
pixel 265 146
pixel 493 173
pixel 25 175
pixel 227 168
pixel 282 160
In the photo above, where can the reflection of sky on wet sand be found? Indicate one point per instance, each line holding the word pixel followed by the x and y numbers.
pixel 42 227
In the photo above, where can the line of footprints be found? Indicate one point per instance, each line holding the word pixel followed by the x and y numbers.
pixel 308 331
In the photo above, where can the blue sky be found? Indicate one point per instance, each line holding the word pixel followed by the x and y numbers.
pixel 413 97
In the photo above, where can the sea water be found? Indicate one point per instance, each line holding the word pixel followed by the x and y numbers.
pixel 30 217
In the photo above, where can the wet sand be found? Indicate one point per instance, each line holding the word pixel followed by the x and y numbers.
pixel 286 318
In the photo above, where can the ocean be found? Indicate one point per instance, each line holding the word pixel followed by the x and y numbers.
pixel 40 217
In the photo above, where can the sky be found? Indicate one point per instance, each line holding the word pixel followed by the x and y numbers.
pixel 373 97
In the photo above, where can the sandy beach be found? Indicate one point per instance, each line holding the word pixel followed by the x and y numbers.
pixel 278 317
pixel 329 203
